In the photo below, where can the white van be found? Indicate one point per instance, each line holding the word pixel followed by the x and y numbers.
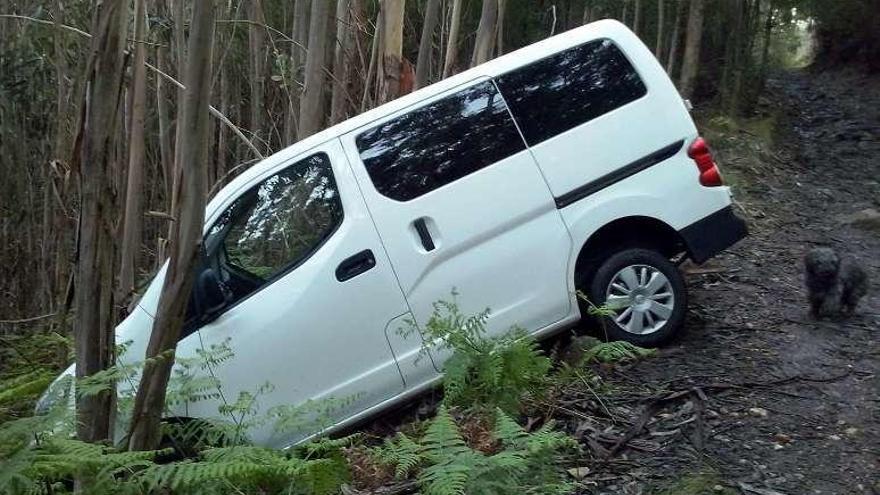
pixel 569 165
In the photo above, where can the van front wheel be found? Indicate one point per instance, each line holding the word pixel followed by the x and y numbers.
pixel 641 296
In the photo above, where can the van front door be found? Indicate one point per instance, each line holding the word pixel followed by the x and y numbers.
pixel 310 293
pixel 460 204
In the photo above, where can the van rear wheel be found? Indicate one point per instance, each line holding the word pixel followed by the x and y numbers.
pixel 642 296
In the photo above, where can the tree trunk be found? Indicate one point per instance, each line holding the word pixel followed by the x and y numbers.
pixel 311 112
pixel 637 16
pixel 484 43
pixel 187 234
pixel 658 45
pixel 691 60
pixel 166 153
pixel 93 329
pixel 452 42
pixel 298 50
pixel 343 61
pixel 367 98
pixel 257 57
pixel 426 43
pixel 133 222
pixel 765 49
pixel 672 59
pixel 390 66
pixel 499 30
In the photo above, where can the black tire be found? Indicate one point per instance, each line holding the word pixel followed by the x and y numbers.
pixel 598 285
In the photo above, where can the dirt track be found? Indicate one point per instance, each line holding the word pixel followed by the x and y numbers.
pixel 771 401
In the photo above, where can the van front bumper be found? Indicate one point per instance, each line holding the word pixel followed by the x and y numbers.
pixel 712 234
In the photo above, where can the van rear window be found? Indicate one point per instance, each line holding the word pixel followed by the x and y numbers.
pixel 567 89
pixel 439 143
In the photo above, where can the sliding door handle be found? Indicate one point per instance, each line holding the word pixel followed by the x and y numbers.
pixel 424 235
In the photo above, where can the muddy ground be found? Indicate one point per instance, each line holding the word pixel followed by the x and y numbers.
pixel 757 397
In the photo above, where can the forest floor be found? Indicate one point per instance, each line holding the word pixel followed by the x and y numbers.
pixel 757 397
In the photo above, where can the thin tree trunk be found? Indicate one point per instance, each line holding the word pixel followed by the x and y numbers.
pixel 765 49
pixel 257 57
pixel 133 222
pixel 342 61
pixel 180 49
pixel 166 154
pixel 658 45
pixel 390 64
pixel 186 238
pixel 637 16
pixel 93 329
pixel 298 50
pixel 366 100
pixel 485 38
pixel 672 59
pixel 499 30
pixel 426 43
pixel 452 42
pixel 691 60
pixel 311 112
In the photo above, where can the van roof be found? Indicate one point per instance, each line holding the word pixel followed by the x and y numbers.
pixel 606 28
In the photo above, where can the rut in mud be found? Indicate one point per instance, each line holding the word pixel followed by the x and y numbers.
pixel 757 394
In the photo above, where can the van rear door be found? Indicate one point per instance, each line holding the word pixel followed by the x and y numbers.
pixel 461 205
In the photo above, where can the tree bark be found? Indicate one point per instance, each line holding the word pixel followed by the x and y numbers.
pixel 691 60
pixel 133 222
pixel 343 63
pixel 658 45
pixel 312 105
pixel 452 42
pixel 257 57
pixel 637 16
pixel 93 329
pixel 485 38
pixel 426 43
pixel 390 66
pixel 367 98
pixel 187 234
pixel 672 58
pixel 298 50
pixel 499 29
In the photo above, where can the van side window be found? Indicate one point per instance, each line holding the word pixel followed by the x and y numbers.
pixel 565 90
pixel 439 143
pixel 276 224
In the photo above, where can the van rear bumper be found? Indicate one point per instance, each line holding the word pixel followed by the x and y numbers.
pixel 712 234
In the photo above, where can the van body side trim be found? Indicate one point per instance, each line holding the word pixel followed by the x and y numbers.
pixel 618 175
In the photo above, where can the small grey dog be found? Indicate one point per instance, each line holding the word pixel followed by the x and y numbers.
pixel 834 285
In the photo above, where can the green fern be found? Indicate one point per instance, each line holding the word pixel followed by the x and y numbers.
pixel 483 371
pixel 610 352
pixel 526 463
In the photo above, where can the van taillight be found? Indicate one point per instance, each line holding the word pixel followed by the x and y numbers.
pixel 710 176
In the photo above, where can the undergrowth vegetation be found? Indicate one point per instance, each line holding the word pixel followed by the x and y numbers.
pixel 475 443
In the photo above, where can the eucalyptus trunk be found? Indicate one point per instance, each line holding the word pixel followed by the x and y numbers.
pixel 484 44
pixel 133 221
pixel 186 232
pixel 426 43
pixel 94 325
pixel 691 59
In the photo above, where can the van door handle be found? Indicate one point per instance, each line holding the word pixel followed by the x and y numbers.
pixel 424 235
pixel 355 265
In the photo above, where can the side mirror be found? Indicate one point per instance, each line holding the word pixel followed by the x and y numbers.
pixel 210 296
